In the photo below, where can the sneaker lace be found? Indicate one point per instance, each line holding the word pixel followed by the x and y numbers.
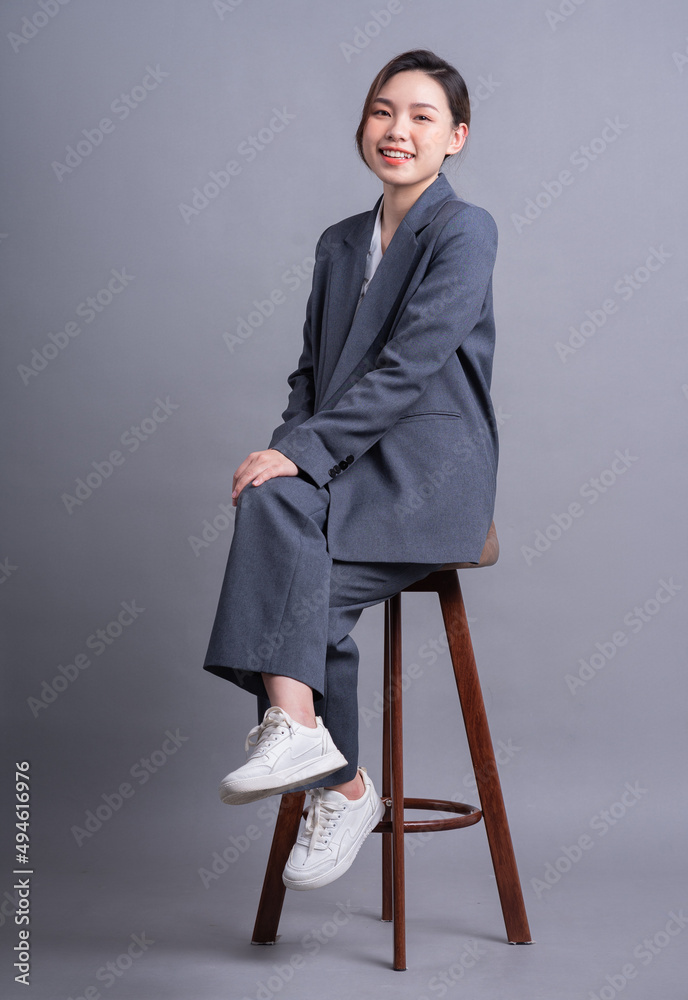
pixel 322 817
pixel 273 725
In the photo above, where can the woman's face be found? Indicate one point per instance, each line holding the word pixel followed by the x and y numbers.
pixel 411 114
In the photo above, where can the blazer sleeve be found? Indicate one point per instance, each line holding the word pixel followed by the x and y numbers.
pixel 300 402
pixel 440 314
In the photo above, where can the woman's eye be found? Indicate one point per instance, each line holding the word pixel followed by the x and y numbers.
pixel 382 111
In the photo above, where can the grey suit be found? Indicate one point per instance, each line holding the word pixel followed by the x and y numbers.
pixel 378 425
pixel 390 422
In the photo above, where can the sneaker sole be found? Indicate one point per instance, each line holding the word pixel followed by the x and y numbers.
pixel 343 865
pixel 252 789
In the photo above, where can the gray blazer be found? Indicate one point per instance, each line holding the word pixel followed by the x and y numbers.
pixel 392 412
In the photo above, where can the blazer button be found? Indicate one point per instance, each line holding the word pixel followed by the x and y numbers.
pixel 332 473
pixel 343 464
pixel 349 459
pixel 336 468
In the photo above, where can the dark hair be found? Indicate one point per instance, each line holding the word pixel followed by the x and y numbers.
pixel 446 75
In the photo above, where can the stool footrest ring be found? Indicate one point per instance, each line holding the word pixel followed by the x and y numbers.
pixel 465 816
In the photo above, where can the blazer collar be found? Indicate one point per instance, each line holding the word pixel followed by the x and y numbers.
pixel 417 218
pixel 348 337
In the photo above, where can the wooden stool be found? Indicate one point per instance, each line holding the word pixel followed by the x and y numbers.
pixel 445 582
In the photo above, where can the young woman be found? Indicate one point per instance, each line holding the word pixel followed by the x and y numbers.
pixel 382 470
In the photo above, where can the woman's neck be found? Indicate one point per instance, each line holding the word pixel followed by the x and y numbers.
pixel 396 201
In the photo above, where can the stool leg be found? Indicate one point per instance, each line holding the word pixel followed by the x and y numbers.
pixel 386 774
pixel 482 756
pixel 397 786
pixel 272 896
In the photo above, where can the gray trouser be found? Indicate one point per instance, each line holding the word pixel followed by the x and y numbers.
pixel 286 607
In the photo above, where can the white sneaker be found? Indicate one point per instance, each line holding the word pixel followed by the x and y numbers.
pixel 285 754
pixel 335 829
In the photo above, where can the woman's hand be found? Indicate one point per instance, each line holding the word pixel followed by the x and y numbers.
pixel 259 466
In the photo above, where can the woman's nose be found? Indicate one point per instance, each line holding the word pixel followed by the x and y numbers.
pixel 396 132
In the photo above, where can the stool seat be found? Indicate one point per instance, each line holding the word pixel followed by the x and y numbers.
pixel 393 825
pixel 488 556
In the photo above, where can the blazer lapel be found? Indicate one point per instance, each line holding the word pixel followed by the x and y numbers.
pixel 346 274
pixel 347 338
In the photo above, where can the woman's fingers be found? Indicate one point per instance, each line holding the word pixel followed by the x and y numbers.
pixel 243 474
pixel 235 477
pixel 260 466
pixel 279 465
pixel 248 470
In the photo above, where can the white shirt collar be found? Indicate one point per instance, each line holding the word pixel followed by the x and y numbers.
pixel 375 252
pixel 374 255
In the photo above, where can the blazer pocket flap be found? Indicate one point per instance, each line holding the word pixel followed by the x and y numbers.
pixel 430 413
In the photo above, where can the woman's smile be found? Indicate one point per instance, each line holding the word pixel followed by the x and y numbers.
pixel 390 154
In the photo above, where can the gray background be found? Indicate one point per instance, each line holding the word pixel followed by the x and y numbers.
pixel 549 83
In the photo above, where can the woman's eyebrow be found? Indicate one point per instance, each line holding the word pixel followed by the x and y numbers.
pixel 417 104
